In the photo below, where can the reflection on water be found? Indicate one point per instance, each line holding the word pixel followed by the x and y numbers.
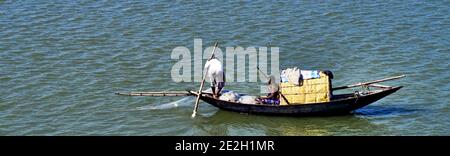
pixel 232 123
pixel 385 110
pixel 289 130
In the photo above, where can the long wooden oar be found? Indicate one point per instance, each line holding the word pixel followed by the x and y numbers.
pixel 163 93
pixel 201 84
pixel 369 82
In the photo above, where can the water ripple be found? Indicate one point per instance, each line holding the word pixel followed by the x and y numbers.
pixel 60 63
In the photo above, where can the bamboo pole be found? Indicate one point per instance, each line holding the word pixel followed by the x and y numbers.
pixel 164 93
pixel 194 113
pixel 369 82
pixel 379 86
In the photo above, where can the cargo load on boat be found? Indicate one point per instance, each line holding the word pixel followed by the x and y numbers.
pixel 311 87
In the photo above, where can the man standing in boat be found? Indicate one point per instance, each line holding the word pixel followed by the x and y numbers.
pixel 214 70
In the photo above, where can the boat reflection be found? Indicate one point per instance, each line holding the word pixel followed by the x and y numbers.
pixel 232 123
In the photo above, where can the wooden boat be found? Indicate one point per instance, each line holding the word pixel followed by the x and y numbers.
pixel 338 104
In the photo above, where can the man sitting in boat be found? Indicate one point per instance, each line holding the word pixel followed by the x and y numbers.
pixel 214 70
pixel 273 97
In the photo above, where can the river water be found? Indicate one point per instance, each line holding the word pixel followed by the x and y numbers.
pixel 61 62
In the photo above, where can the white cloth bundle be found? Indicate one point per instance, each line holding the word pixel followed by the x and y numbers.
pixel 248 99
pixel 295 75
pixel 230 96
pixel 291 75
pixel 310 74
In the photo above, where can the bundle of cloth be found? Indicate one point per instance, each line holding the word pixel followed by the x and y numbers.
pixel 248 99
pixel 229 96
pixel 235 97
pixel 295 75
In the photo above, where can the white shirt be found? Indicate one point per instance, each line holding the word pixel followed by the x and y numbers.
pixel 214 70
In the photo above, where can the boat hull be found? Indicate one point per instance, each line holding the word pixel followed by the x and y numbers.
pixel 334 107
